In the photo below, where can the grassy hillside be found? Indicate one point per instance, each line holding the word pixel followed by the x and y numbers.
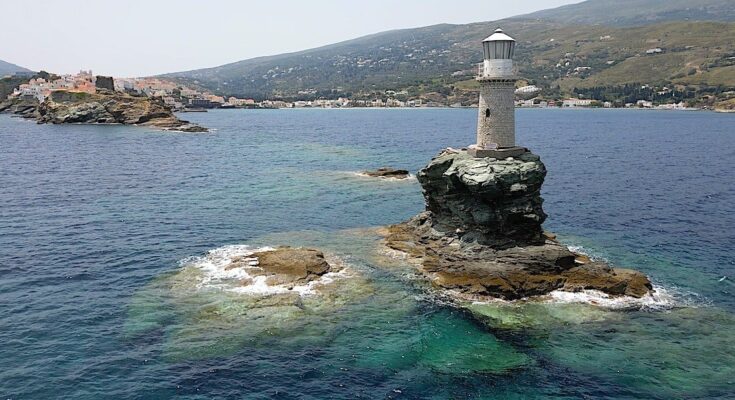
pixel 441 59
pixel 383 61
pixel 638 12
pixel 691 53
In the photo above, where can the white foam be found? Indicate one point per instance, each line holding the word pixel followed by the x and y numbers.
pixel 408 178
pixel 237 280
pixel 658 299
pixel 583 251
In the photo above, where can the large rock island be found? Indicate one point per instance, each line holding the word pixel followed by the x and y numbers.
pixel 102 107
pixel 481 235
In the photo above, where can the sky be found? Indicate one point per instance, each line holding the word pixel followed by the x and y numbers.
pixel 147 37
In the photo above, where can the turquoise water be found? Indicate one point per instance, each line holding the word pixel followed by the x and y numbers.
pixel 103 230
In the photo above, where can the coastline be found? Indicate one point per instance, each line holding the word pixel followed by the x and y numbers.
pixel 104 107
pixel 466 108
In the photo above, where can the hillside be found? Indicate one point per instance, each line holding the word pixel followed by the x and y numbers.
pixel 638 12
pixel 694 53
pixel 382 61
pixel 433 59
pixel 7 68
pixel 438 62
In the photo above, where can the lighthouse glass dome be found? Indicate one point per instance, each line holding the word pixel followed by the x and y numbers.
pixel 499 46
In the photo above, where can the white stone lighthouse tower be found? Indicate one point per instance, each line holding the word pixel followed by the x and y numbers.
pixel 496 125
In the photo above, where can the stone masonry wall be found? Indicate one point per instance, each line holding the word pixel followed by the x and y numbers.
pixel 496 113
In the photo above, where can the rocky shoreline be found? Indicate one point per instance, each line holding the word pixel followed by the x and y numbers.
pixel 481 235
pixel 103 107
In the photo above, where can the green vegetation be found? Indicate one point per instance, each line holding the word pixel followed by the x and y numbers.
pixel 581 46
pixel 638 12
pixel 8 84
pixel 438 63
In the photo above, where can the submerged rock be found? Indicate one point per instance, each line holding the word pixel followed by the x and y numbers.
pixel 481 236
pixel 239 296
pixel 387 172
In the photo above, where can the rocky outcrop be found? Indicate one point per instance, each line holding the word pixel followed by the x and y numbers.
pixel 285 266
pixel 26 108
pixel 491 202
pixel 104 107
pixel 481 236
pixel 387 172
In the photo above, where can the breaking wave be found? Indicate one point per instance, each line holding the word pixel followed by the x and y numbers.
pixel 659 299
pixel 215 273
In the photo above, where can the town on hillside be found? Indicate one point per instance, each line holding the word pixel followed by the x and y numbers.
pixel 183 98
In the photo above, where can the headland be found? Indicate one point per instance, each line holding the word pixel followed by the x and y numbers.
pixel 103 107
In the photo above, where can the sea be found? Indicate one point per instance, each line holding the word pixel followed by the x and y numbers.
pixel 112 241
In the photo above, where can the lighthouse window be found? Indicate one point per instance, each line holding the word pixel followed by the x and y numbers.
pixel 487 113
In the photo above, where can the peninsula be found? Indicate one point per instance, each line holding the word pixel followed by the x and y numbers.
pixel 90 100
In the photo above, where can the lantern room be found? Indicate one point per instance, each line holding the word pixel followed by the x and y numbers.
pixel 498 51
pixel 499 46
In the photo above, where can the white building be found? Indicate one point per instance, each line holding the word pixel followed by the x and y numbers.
pixel 576 103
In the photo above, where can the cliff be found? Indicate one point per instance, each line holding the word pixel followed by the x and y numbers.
pixel 104 107
pixel 481 235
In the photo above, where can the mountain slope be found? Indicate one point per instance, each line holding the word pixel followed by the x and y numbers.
pixel 436 58
pixel 7 68
pixel 383 60
pixel 638 12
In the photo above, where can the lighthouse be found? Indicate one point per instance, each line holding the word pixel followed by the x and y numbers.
pixel 496 126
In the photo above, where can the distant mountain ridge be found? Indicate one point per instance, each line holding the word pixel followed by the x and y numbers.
pixel 638 12
pixel 7 68
pixel 552 52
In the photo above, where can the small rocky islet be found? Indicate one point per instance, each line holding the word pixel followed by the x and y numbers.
pixel 481 236
pixel 102 107
pixel 284 266
pixel 479 239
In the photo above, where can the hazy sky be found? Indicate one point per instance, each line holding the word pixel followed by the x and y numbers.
pixel 146 37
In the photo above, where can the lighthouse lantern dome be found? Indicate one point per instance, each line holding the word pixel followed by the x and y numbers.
pixel 499 46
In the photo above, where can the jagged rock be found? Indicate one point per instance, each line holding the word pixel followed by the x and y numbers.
pixel 105 107
pixel 495 202
pixel 481 235
pixel 26 108
pixel 387 172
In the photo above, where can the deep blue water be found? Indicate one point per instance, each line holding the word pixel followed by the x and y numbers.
pixel 91 217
